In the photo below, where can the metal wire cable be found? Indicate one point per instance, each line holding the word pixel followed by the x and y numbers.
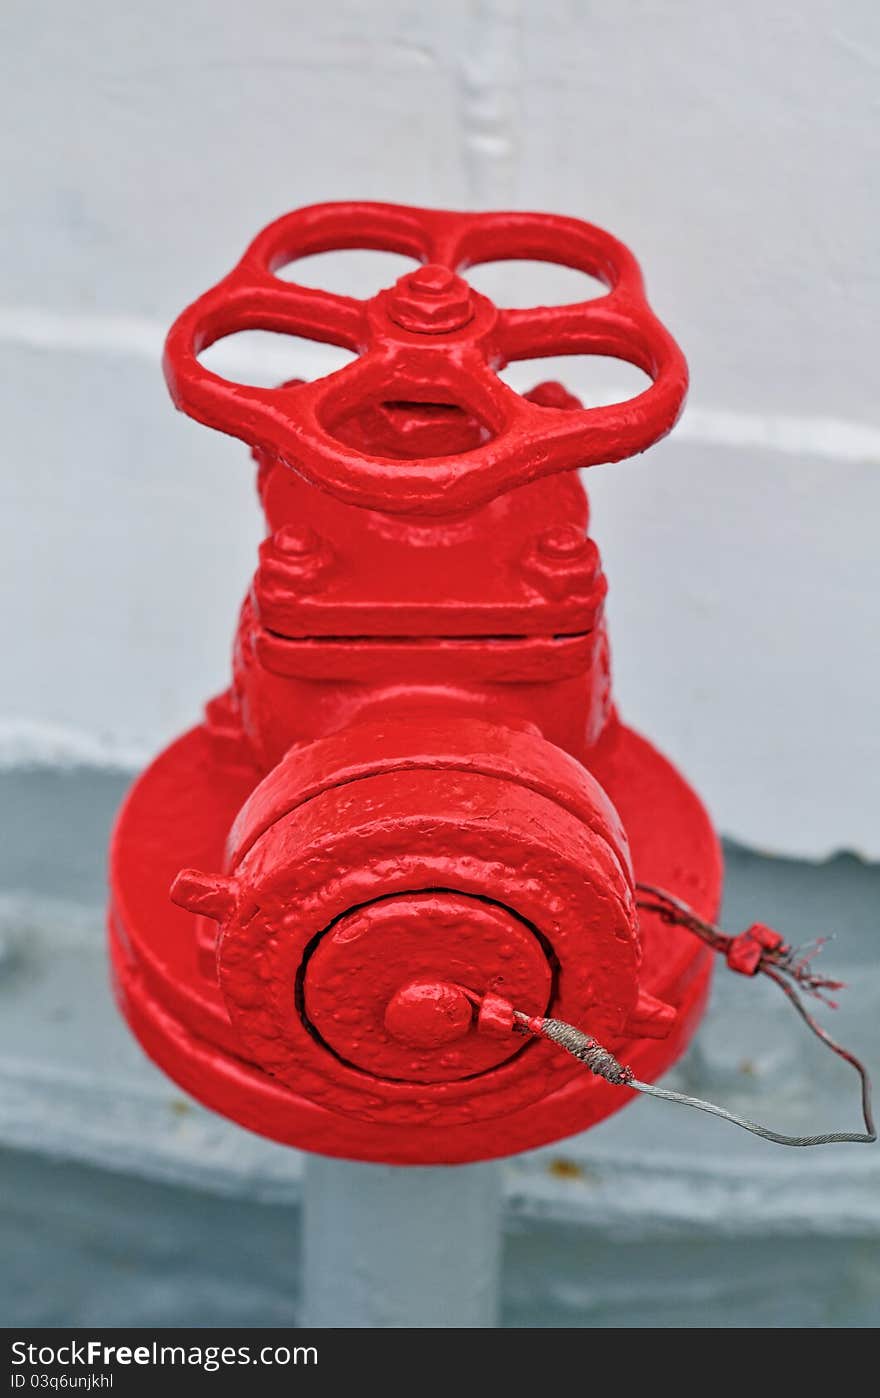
pixel 785 966
pixel 602 1062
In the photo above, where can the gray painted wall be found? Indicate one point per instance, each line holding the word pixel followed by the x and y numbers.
pixel 734 147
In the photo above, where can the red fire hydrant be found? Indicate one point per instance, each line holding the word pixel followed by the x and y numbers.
pixel 415 807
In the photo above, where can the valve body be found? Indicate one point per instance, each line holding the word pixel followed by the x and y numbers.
pixel 416 797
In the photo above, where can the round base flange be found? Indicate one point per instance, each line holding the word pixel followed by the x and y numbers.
pixel 178 813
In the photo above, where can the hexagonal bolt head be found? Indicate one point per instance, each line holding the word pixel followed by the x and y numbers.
pixel 431 301
pixel 295 558
pixel 563 562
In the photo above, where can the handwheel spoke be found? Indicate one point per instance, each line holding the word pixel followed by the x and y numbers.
pixel 339 395
pixel 611 325
pixel 253 299
pixel 446 236
pixel 493 401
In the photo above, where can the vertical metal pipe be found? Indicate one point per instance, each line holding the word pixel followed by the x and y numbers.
pixel 393 1247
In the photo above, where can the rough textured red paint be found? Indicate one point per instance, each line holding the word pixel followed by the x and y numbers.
pixel 415 806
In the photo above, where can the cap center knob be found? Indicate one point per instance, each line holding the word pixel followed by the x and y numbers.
pixel 427 1014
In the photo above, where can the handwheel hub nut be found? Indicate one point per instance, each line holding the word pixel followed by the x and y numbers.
pixel 431 301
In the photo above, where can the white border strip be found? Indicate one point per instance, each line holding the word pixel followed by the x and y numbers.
pixel 29 743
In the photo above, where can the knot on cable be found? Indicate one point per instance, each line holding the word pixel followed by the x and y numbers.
pixel 759 949
pixel 749 951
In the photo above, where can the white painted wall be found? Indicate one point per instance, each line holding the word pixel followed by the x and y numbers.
pixel 734 147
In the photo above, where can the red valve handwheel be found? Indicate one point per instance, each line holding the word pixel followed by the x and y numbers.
pixel 431 338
